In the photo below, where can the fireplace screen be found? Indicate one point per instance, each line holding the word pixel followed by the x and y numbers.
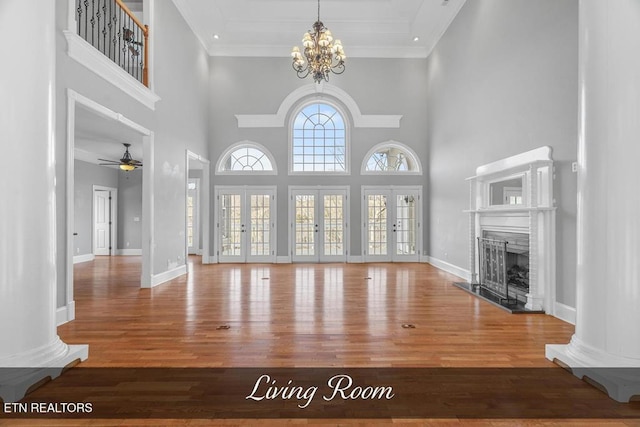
pixel 504 265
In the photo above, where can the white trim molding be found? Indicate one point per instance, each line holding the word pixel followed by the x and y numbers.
pixel 95 61
pixel 283 259
pixel 318 91
pixel 66 314
pixel 129 252
pixel 448 267
pixel 77 259
pixel 168 275
pixel 565 312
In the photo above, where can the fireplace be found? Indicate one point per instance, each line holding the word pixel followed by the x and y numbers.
pixel 503 258
pixel 512 231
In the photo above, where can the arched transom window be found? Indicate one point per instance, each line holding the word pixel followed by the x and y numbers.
pixel 319 140
pixel 246 158
pixel 391 157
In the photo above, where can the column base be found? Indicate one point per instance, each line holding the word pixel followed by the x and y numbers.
pixel 16 381
pixel 619 379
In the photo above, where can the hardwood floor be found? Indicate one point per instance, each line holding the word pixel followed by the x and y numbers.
pixel 344 316
pixel 315 315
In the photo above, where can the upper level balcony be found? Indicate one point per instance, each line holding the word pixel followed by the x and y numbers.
pixel 109 38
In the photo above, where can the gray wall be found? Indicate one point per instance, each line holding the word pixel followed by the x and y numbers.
pixel 86 176
pixel 179 123
pixel 503 80
pixel 129 208
pixel 259 85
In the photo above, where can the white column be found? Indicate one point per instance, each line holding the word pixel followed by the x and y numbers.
pixel 608 273
pixel 28 338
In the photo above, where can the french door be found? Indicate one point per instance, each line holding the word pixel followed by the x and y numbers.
pixel 391 223
pixel 318 218
pixel 246 224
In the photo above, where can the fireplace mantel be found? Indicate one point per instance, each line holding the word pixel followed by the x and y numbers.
pixel 515 194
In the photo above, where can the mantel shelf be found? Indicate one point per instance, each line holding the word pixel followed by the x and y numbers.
pixel 507 210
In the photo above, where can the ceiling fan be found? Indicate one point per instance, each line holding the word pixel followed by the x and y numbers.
pixel 126 163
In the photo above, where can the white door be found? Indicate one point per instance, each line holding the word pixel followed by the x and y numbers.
pixel 318 224
pixel 246 224
pixel 101 222
pixel 193 216
pixel 391 223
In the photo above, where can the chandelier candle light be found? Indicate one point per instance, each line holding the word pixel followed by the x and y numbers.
pixel 323 54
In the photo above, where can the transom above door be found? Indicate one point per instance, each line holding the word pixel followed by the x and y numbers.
pixel 246 224
pixel 318 218
pixel 392 230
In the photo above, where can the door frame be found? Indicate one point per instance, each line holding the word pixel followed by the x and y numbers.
pixel 74 101
pixel 218 189
pixel 113 213
pixel 197 223
pixel 205 204
pixel 346 215
pixel 392 189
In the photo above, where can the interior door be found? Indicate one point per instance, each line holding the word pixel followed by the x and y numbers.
pixel 246 224
pixel 318 223
pixel 392 226
pixel 102 222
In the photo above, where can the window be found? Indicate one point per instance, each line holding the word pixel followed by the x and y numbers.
pixel 391 158
pixel 246 158
pixel 319 140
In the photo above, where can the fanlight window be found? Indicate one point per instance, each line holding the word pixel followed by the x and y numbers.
pixel 319 140
pixel 247 158
pixel 391 158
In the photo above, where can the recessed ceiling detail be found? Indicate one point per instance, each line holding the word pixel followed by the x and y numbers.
pixel 370 28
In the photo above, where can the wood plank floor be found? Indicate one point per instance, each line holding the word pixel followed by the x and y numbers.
pixel 321 315
pixel 316 315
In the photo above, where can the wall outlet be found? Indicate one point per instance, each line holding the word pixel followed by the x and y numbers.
pixel 136 219
pixel 77 250
pixel 574 167
pixel 127 244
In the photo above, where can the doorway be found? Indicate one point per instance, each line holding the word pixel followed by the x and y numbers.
pixel 391 223
pixel 318 217
pixel 246 223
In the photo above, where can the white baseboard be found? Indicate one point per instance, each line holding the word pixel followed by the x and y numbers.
pixel 355 259
pixel 83 258
pixel 129 252
pixel 157 279
pixel 564 312
pixel 449 268
pixel 211 259
pixel 283 260
pixel 66 314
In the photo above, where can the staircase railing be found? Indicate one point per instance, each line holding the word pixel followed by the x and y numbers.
pixel 110 27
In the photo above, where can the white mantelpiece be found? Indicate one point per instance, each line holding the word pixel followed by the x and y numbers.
pixel 516 195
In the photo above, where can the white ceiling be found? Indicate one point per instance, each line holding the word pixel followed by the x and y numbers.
pixel 367 28
pixel 97 137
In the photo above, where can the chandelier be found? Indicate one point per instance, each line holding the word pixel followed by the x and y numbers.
pixel 323 54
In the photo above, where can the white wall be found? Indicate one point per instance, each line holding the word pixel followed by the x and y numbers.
pixel 86 176
pixel 259 85
pixel 503 80
pixel 179 122
pixel 130 208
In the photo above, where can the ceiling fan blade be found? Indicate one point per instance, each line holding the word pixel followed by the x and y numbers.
pixel 110 161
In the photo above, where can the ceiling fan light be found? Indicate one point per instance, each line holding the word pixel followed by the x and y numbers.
pixel 126 167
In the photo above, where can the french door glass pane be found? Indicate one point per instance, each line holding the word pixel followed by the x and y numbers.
pixel 405 225
pixel 377 224
pixel 190 221
pixel 231 225
pixel 333 224
pixel 260 221
pixel 305 224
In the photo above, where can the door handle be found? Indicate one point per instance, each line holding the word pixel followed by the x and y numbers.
pixel 316 228
pixel 242 228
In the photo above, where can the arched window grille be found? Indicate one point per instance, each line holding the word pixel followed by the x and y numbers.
pixel 319 140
